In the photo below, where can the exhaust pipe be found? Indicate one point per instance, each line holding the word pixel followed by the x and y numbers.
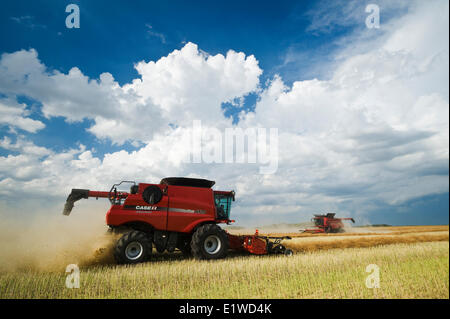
pixel 75 195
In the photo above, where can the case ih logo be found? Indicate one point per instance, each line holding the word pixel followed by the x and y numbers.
pixel 160 209
pixel 146 207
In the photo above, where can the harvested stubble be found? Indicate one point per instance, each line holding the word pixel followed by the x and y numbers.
pixel 406 271
pixel 330 242
pixel 367 231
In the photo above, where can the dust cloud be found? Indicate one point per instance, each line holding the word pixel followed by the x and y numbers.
pixel 51 241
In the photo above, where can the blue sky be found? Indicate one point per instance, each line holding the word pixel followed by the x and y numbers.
pixel 104 43
pixel 294 41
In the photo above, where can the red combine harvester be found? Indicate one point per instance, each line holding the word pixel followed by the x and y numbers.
pixel 178 213
pixel 327 224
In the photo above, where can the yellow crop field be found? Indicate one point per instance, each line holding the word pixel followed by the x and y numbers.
pixel 410 264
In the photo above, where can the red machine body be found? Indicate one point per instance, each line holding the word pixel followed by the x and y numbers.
pixel 181 208
pixel 328 223
pixel 178 212
pixel 181 205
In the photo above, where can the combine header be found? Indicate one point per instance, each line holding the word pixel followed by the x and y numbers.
pixel 259 245
pixel 178 213
pixel 327 224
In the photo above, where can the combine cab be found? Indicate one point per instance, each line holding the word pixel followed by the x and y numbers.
pixel 178 213
pixel 327 224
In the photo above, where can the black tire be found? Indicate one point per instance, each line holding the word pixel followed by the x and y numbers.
pixel 132 248
pixel 288 252
pixel 152 195
pixel 209 242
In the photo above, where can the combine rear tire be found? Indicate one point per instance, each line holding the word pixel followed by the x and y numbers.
pixel 209 242
pixel 132 248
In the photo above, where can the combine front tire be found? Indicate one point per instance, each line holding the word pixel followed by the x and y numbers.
pixel 209 242
pixel 132 248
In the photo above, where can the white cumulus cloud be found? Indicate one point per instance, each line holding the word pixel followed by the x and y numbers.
pixel 375 131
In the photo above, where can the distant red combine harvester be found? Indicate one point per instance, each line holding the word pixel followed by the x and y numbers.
pixel 327 223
